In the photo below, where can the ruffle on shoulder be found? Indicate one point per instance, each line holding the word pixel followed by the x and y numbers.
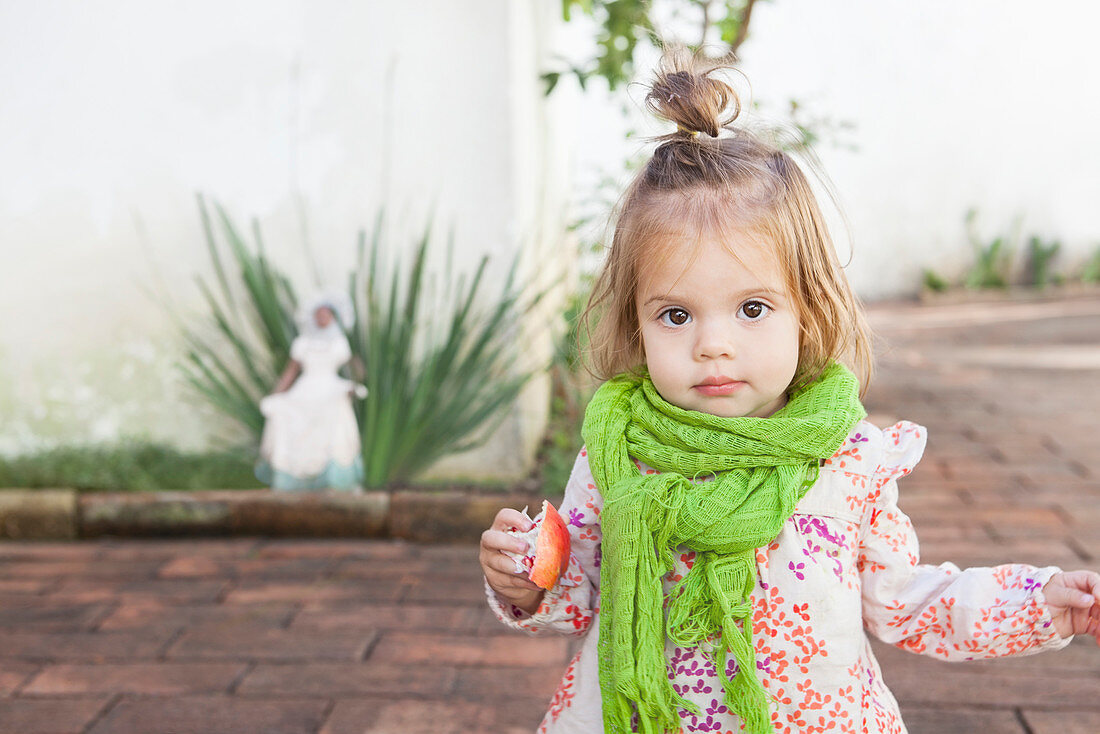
pixel 882 453
pixel 902 447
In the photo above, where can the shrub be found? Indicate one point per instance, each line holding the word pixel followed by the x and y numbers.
pixel 438 381
pixel 1039 257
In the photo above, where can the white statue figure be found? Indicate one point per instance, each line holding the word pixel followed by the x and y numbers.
pixel 310 439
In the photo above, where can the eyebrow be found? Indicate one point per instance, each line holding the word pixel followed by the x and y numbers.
pixel 768 292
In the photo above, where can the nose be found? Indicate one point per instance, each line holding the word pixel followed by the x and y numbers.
pixel 714 340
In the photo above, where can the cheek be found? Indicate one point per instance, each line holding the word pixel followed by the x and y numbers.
pixel 646 338
pixel 646 345
pixel 792 348
pixel 654 353
pixel 780 348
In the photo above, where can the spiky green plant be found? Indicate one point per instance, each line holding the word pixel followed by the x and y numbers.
pixel 440 366
pixel 235 353
pixel 993 260
pixel 1039 257
pixel 1091 272
pixel 933 281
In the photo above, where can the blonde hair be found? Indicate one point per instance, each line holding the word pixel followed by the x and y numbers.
pixel 712 185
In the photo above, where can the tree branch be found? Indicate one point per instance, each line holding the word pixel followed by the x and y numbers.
pixel 706 23
pixel 742 28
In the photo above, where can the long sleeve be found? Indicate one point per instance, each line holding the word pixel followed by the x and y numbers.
pixel 569 607
pixel 941 611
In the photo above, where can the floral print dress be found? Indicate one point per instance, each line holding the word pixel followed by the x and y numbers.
pixel 845 563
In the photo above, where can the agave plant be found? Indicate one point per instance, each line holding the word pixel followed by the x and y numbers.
pixel 440 363
pixel 1091 272
pixel 234 356
pixel 1040 254
pixel 993 260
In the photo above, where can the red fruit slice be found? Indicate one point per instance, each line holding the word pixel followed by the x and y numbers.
pixel 551 549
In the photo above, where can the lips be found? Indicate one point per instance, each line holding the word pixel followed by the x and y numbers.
pixel 718 386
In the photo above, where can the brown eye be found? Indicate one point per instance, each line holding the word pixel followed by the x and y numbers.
pixel 754 310
pixel 675 317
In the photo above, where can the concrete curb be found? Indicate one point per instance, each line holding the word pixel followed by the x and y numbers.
pixel 38 514
pixel 416 515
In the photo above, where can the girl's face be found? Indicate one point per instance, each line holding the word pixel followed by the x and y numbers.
pixel 719 333
pixel 323 316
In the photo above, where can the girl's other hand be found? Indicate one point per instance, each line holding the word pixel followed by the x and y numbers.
pixel 1074 602
pixel 500 570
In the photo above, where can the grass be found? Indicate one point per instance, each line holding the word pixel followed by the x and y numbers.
pixel 128 468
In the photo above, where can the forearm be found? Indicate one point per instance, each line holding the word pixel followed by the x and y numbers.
pixel 288 376
pixel 944 611
pixel 969 614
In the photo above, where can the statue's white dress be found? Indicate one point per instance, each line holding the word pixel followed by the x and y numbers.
pixel 310 439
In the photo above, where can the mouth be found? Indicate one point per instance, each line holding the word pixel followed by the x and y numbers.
pixel 718 386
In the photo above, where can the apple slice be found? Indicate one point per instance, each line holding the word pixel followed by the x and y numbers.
pixel 547 555
pixel 551 548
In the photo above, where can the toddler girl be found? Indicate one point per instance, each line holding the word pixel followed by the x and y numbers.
pixel 734 519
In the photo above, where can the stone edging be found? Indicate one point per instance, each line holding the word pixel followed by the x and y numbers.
pixel 64 514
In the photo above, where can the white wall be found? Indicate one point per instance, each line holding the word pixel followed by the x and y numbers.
pixel 981 103
pixel 985 103
pixel 114 114
pixel 306 115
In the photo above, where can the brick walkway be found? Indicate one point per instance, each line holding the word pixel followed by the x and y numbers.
pixel 337 637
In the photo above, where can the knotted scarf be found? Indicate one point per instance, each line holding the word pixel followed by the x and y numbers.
pixel 761 468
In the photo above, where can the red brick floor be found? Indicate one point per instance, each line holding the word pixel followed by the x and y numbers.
pixel 367 636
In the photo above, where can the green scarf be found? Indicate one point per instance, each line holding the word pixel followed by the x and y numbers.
pixel 762 468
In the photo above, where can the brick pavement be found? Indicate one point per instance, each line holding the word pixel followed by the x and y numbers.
pixel 252 635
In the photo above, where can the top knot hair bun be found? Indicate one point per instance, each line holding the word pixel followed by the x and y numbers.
pixel 687 93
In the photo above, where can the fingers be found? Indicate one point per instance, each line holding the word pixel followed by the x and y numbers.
pixel 507 519
pixel 1074 601
pixel 500 570
pixel 496 538
pixel 500 563
pixel 1082 588
pixel 1093 625
pixel 1087 622
pixel 505 581
pixel 1068 596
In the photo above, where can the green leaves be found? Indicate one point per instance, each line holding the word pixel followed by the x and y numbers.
pixel 997 266
pixel 624 24
pixel 440 366
pixel 1091 272
pixel 1038 265
pixel 993 260
pixel 234 355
